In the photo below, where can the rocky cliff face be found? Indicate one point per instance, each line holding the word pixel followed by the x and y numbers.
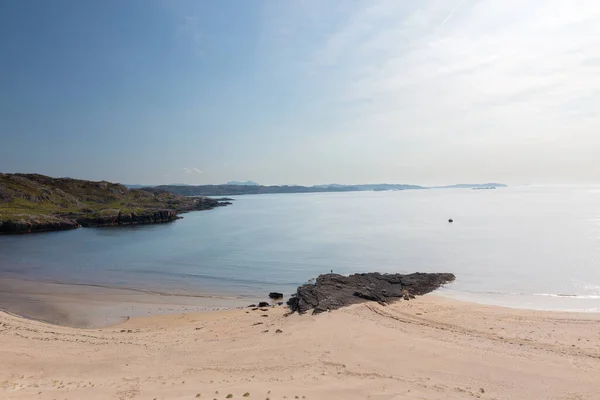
pixel 26 224
pixel 38 203
pixel 150 217
pixel 333 291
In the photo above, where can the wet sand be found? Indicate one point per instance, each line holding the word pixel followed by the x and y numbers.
pixel 429 348
pixel 87 306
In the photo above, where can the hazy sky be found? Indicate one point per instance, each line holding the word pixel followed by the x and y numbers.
pixel 303 92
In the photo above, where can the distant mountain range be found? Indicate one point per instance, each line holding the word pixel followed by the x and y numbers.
pixel 247 183
pixel 240 188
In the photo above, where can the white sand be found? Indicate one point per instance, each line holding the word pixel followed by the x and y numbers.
pixel 429 348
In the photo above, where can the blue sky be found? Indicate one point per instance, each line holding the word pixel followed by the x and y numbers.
pixel 304 92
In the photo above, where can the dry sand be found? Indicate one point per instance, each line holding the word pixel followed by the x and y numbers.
pixel 429 348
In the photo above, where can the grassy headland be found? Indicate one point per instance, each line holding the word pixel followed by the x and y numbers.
pixel 35 203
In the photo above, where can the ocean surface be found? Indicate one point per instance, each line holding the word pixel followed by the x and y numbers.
pixel 524 246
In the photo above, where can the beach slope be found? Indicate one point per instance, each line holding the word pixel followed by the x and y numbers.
pixel 429 348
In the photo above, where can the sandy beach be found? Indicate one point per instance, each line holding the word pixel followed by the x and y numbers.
pixel 429 348
pixel 94 306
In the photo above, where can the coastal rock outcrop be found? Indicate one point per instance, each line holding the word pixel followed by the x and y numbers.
pixel 29 224
pixel 120 218
pixel 333 291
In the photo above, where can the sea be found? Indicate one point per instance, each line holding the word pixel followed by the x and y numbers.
pixel 534 247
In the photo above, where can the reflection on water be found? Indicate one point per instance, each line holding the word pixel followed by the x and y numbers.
pixel 526 240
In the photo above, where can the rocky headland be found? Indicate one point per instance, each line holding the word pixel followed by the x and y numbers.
pixel 37 203
pixel 333 291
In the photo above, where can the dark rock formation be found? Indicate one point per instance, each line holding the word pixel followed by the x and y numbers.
pixel 263 304
pixel 275 295
pixel 333 291
pixel 32 225
pixel 149 217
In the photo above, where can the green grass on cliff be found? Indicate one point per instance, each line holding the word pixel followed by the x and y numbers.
pixel 32 196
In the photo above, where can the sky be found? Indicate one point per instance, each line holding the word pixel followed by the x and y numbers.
pixel 301 92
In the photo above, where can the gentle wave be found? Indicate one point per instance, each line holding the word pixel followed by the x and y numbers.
pixel 572 296
pixel 559 295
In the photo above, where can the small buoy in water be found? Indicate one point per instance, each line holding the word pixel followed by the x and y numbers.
pixel 451 220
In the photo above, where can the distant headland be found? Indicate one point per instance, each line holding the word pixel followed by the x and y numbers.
pixel 246 183
pixel 241 188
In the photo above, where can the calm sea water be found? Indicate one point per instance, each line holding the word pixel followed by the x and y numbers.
pixel 529 246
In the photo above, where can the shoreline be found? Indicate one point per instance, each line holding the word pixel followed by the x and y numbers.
pixel 97 306
pixel 431 347
pixel 81 305
pixel 525 301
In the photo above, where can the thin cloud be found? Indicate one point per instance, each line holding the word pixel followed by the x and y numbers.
pixel 193 169
pixel 447 18
pixel 451 86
